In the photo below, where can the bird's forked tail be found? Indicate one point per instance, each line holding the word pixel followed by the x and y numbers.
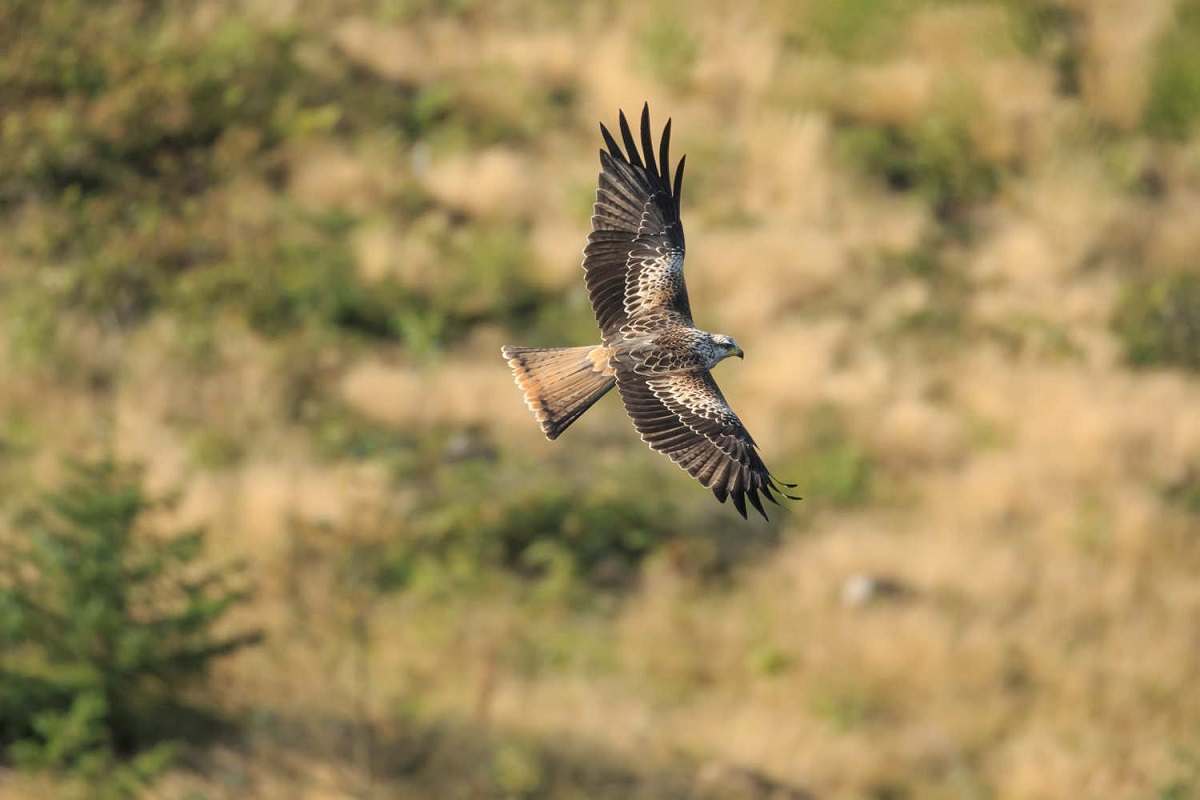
pixel 560 383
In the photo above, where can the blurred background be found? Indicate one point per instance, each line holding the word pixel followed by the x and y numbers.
pixel 276 522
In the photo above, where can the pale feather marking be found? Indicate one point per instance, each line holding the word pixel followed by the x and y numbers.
pixel 703 403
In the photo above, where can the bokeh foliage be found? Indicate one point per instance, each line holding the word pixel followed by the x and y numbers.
pixel 163 258
pixel 1159 321
pixel 1173 107
pixel 130 142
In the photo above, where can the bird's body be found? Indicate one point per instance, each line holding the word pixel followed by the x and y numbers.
pixel 651 351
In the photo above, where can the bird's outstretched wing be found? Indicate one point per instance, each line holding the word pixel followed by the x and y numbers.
pixel 684 416
pixel 634 256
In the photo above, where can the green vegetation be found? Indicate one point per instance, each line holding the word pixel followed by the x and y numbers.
pixel 545 530
pixel 935 158
pixel 835 470
pixel 1047 28
pixel 858 28
pixel 1184 492
pixel 104 625
pixel 1159 321
pixel 137 158
pixel 271 250
pixel 1173 107
pixel 1186 785
pixel 668 48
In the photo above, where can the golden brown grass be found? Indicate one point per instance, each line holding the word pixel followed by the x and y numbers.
pixel 1046 645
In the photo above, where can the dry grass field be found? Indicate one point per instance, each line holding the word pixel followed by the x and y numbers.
pixel 270 250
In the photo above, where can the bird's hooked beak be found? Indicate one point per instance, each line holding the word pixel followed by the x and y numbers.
pixel 737 351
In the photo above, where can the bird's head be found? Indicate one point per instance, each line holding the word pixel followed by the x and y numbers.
pixel 725 347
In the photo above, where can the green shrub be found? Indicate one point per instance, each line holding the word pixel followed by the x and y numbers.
pixel 935 158
pixel 477 523
pixel 1173 107
pixel 835 470
pixel 104 623
pixel 1044 28
pixel 668 48
pixel 1184 491
pixel 124 131
pixel 547 534
pixel 853 28
pixel 1185 783
pixel 1158 321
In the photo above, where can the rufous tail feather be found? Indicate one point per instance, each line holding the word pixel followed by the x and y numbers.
pixel 560 383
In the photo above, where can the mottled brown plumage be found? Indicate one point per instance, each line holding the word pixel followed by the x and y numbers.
pixel 652 351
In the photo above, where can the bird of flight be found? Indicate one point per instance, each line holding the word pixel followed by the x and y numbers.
pixel 651 350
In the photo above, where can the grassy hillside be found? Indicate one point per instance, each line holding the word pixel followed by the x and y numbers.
pixel 270 250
